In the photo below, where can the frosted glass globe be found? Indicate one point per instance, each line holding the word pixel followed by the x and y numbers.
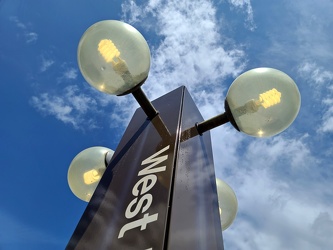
pixel 86 170
pixel 228 204
pixel 113 57
pixel 263 102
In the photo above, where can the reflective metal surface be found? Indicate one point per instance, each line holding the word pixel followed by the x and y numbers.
pixel 104 224
pixel 195 220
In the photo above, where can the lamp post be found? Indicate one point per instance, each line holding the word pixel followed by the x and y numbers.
pixel 158 190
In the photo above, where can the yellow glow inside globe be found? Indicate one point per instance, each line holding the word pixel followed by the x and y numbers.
pixel 228 205
pixel 263 102
pixel 86 170
pixel 113 57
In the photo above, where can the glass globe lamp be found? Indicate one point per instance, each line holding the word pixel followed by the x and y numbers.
pixel 263 102
pixel 86 170
pixel 228 204
pixel 113 57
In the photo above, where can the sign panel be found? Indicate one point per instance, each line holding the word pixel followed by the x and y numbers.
pixel 130 206
pixel 159 190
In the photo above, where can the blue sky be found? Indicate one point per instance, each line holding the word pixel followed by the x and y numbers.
pixel 49 113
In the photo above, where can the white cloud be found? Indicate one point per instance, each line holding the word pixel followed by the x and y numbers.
pixel 84 108
pixel 69 107
pixel 327 123
pixel 281 190
pixel 321 80
pixel 323 226
pixel 271 152
pixel 55 106
pixel 70 74
pixel 273 217
pixel 315 74
pixel 131 11
pixel 30 36
pixel 276 183
pixel 313 29
pixel 18 23
pixel 297 30
pixel 245 5
pixel 46 64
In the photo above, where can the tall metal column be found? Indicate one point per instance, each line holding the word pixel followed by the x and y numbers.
pixel 194 221
pixel 159 190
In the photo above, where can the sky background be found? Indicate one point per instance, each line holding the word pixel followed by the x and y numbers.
pixel 284 184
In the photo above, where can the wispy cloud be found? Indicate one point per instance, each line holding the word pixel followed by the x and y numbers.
pixel 70 73
pixel 313 31
pixel 327 123
pixel 298 30
pixel 278 218
pixel 70 107
pixel 277 203
pixel 277 209
pixel 84 108
pixel 46 64
pixel 321 81
pixel 246 6
pixel 29 35
pixel 310 71
pixel 18 23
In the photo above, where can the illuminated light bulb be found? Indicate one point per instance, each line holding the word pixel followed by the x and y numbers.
pixel 108 50
pixel 270 98
pixel 266 100
pixel 93 176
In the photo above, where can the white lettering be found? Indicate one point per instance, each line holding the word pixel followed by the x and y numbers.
pixel 154 162
pixel 142 223
pixel 147 197
pixel 145 184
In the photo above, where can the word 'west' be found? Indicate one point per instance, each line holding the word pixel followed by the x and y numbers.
pixel 143 199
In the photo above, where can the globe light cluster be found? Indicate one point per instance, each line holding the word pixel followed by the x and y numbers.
pixel 114 58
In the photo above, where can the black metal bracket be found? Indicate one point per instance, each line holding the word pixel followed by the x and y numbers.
pixel 211 123
pixel 145 104
pixel 217 121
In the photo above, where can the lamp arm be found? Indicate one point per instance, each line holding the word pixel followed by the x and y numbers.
pixel 145 104
pixel 217 121
pixel 211 123
pixel 108 157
